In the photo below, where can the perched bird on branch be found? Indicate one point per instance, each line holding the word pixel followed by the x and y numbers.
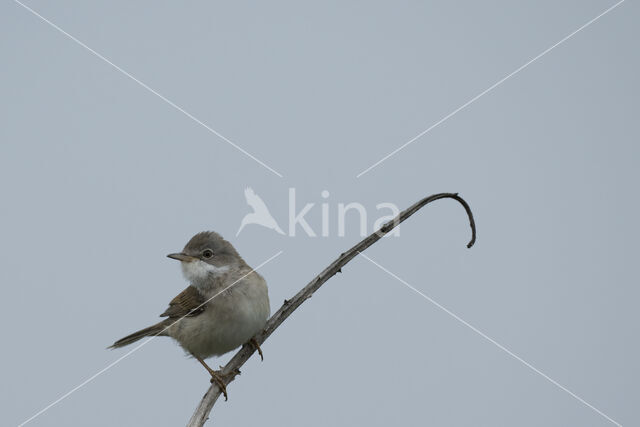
pixel 226 304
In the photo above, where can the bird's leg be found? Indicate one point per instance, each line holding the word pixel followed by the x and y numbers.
pixel 215 377
pixel 257 347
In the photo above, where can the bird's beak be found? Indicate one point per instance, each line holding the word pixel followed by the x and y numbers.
pixel 181 256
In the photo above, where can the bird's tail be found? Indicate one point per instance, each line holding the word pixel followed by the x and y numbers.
pixel 151 331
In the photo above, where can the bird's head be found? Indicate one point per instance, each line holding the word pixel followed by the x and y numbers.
pixel 207 255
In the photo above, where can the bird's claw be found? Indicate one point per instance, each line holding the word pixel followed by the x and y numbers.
pixel 217 379
pixel 255 344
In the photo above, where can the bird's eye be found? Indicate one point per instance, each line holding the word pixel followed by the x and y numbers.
pixel 207 253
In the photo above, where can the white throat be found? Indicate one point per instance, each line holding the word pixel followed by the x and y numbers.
pixel 199 271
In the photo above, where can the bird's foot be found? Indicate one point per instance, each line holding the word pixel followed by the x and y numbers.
pixel 217 377
pixel 257 347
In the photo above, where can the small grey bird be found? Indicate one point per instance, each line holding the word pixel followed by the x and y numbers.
pixel 224 307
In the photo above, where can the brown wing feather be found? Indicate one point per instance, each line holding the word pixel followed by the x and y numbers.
pixel 187 303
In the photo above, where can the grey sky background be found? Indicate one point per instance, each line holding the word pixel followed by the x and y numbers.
pixel 100 179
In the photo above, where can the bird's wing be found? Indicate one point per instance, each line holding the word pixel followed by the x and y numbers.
pixel 255 201
pixel 189 302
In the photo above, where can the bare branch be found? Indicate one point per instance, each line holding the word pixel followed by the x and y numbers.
pixel 232 369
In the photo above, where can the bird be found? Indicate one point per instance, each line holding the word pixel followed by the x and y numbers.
pixel 225 305
pixel 260 214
